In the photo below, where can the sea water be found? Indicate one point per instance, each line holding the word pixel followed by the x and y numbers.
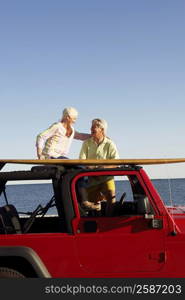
pixel 27 197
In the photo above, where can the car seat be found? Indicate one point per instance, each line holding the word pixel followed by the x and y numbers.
pixel 9 220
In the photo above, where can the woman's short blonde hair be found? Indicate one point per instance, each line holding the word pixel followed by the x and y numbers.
pixel 71 112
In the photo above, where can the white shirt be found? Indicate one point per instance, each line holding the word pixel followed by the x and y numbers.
pixel 54 142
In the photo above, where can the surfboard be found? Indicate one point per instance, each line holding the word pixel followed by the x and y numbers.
pixel 70 162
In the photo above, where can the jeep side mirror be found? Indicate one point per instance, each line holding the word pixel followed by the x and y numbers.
pixel 154 223
pixel 157 223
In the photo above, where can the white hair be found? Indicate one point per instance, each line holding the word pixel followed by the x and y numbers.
pixel 101 123
pixel 70 111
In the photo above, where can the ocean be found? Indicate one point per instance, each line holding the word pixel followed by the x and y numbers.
pixel 26 197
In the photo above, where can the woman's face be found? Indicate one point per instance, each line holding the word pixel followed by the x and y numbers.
pixel 71 120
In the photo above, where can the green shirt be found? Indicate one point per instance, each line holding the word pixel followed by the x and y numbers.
pixel 105 150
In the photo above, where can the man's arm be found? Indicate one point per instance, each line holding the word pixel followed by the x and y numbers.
pixel 113 152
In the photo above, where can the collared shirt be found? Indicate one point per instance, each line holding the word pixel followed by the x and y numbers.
pixel 105 150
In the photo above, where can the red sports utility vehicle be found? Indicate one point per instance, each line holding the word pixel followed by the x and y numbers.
pixel 142 238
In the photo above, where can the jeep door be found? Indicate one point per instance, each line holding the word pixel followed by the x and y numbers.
pixel 125 243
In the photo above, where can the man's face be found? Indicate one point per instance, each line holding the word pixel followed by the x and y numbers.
pixel 96 131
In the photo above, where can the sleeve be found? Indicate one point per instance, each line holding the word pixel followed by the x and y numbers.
pixel 113 152
pixel 81 136
pixel 43 136
pixel 84 151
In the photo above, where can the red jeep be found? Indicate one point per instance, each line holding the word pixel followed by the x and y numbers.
pixel 142 237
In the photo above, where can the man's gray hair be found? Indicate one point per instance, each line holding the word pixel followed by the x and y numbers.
pixel 101 123
pixel 71 112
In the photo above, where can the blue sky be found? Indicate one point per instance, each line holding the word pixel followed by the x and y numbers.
pixel 121 60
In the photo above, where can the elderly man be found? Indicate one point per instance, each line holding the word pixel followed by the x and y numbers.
pixel 99 146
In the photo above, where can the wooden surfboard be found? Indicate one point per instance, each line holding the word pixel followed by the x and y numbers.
pixel 149 161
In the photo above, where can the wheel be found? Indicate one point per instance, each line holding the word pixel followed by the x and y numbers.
pixel 122 199
pixel 118 206
pixel 10 273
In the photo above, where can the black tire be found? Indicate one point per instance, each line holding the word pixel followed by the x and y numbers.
pixel 10 273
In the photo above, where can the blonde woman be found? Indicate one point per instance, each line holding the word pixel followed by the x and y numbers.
pixel 55 141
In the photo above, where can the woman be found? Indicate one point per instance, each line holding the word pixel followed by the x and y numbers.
pixel 55 141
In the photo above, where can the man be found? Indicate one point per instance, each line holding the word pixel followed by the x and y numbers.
pixel 55 141
pixel 99 146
